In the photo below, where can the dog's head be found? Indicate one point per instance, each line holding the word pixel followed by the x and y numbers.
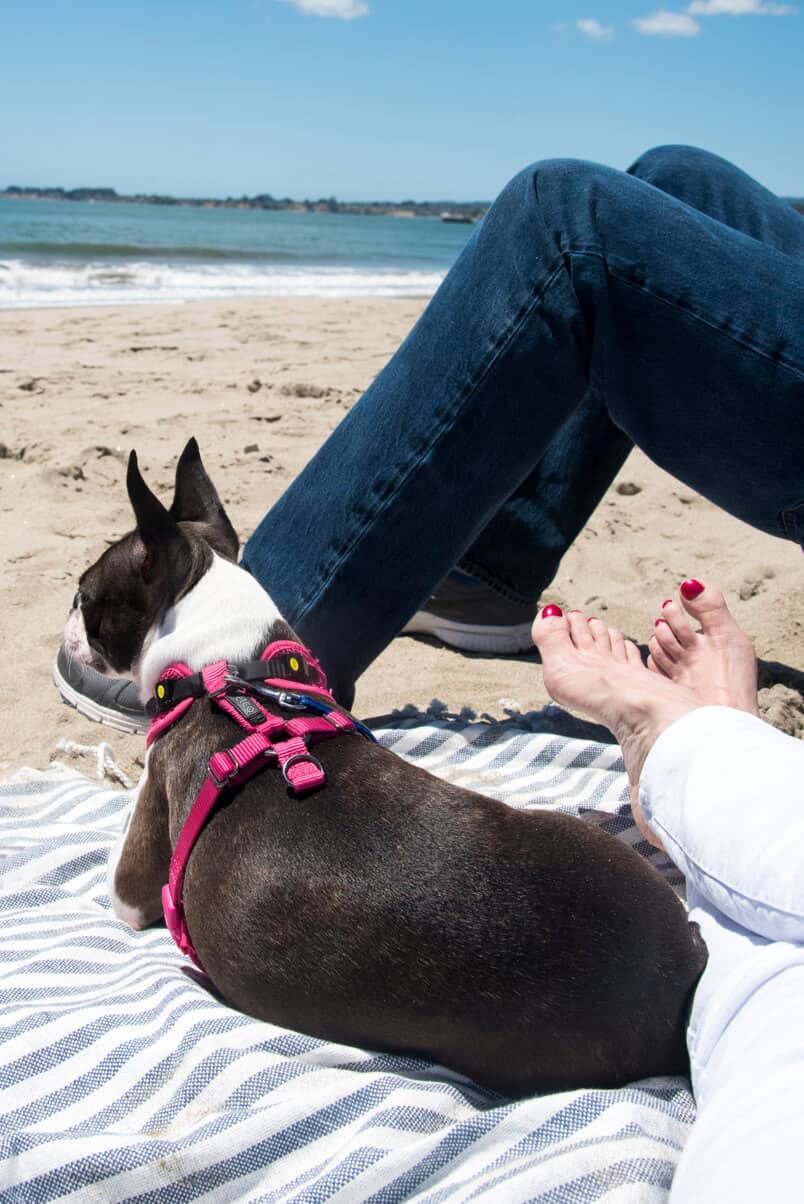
pixel 125 594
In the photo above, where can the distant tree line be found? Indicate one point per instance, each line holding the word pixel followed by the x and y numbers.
pixel 464 210
pixel 457 210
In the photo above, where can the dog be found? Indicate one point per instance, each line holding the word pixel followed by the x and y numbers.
pixel 380 907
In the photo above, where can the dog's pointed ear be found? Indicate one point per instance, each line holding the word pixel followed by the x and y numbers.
pixel 167 551
pixel 196 501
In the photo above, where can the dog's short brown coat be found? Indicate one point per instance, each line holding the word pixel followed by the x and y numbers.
pixel 525 949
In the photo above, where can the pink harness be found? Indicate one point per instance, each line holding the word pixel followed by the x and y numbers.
pixel 270 740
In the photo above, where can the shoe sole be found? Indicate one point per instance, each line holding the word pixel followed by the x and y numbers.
pixel 129 724
pixel 472 637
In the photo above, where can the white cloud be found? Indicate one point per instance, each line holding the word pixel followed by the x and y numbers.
pixel 739 8
pixel 667 25
pixel 345 10
pixel 591 28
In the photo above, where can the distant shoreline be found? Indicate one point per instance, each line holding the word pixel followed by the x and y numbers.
pixel 456 211
pixel 464 211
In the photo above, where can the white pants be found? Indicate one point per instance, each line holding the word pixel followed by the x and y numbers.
pixel 724 792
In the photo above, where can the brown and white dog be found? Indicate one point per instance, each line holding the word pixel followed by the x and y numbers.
pixel 529 951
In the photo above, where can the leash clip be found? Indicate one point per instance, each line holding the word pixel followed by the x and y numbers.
pixel 289 700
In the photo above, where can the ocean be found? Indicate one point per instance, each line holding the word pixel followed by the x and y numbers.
pixel 101 253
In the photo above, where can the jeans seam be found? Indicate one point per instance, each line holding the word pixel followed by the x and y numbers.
pixel 685 309
pixel 790 520
pixel 501 344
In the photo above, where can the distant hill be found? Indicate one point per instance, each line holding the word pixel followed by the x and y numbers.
pixel 456 210
pixel 467 211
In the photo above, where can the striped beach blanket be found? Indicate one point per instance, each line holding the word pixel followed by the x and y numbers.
pixel 122 1077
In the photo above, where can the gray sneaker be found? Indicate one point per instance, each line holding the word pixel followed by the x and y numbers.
pixel 114 701
pixel 466 613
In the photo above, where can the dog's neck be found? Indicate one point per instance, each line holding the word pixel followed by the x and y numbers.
pixel 224 616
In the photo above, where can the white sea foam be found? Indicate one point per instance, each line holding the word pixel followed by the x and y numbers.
pixel 26 285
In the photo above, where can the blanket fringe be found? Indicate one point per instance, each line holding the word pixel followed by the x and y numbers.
pixel 105 764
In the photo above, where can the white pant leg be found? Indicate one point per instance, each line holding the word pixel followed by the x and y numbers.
pixel 725 793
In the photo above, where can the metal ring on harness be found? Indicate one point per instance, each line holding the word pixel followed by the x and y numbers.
pixel 305 756
pixel 230 773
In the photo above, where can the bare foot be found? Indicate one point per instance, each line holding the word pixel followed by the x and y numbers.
pixel 591 668
pixel 716 662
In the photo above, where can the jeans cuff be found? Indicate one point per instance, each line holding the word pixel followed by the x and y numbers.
pixel 467 565
pixel 793 523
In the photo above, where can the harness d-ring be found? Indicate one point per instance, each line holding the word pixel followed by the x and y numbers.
pixel 307 757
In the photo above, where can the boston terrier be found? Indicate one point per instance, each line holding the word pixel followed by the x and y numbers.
pixel 339 890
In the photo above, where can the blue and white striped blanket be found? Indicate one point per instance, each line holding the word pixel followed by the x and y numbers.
pixel 123 1078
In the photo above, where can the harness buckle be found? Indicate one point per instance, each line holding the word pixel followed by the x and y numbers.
pixel 230 773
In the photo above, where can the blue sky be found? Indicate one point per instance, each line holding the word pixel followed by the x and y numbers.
pixel 388 99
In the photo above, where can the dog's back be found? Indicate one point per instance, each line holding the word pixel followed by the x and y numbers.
pixel 528 950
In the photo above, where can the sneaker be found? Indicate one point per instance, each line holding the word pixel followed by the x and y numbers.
pixel 114 701
pixel 466 613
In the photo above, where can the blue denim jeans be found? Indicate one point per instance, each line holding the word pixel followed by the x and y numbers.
pixel 591 310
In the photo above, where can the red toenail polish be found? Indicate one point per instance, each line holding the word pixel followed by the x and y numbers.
pixel 552 612
pixel 658 621
pixel 691 588
pixel 666 602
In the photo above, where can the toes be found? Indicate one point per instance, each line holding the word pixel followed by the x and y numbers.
pixel 632 653
pixel 617 641
pixel 600 634
pixel 580 632
pixel 677 621
pixel 706 604
pixel 663 663
pixel 550 631
pixel 665 637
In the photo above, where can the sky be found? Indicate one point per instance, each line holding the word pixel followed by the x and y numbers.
pixel 388 99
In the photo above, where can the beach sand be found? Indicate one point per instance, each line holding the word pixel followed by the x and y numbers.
pixel 261 384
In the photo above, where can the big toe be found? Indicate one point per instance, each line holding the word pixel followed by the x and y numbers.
pixel 706 604
pixel 550 633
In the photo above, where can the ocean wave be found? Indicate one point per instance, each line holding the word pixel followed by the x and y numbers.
pixel 66 252
pixel 27 285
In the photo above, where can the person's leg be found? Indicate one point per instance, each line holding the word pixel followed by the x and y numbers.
pixel 717 188
pixel 725 794
pixel 520 549
pixel 544 515
pixel 579 276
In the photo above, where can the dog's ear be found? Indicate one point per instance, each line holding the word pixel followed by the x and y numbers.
pixel 168 556
pixel 196 501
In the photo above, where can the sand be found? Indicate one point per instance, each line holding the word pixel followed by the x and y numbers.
pixel 261 384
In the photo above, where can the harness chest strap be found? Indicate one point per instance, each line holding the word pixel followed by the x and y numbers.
pixel 238 697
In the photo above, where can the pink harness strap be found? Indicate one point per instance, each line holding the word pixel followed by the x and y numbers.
pixel 160 723
pixel 270 739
